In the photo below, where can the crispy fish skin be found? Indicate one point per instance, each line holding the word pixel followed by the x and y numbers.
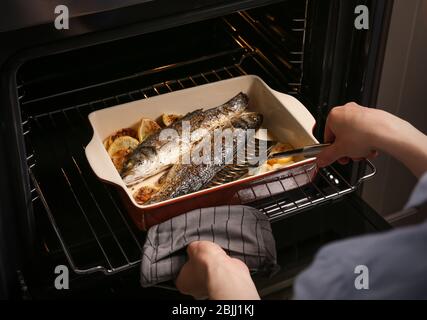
pixel 155 155
pixel 187 178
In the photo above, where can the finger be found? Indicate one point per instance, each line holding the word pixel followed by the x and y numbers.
pixel 329 155
pixel 328 135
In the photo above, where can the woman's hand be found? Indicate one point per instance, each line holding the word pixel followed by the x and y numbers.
pixel 210 272
pixel 351 130
pixel 357 132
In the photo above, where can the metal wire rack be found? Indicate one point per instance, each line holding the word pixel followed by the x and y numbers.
pixel 289 193
pixel 87 215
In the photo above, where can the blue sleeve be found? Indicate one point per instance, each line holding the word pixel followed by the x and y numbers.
pixel 324 279
pixel 419 195
pixel 396 262
pixel 332 273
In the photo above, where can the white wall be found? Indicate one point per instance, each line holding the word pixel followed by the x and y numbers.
pixel 403 92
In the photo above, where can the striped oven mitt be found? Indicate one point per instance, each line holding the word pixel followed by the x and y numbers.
pixel 243 232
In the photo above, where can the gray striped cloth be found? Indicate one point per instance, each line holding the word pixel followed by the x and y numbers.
pixel 243 232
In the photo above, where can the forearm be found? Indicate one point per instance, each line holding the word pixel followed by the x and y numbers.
pixel 402 141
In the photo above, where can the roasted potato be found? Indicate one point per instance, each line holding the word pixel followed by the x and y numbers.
pixel 119 158
pixel 280 147
pixel 168 119
pixel 144 194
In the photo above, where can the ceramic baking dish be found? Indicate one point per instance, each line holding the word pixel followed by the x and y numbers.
pixel 284 116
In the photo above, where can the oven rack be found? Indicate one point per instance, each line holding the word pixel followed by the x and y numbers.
pixel 328 185
pixel 283 74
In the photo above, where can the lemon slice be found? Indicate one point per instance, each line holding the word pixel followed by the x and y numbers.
pixel 123 132
pixel 122 143
pixel 146 128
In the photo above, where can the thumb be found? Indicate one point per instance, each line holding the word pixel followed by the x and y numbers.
pixel 329 155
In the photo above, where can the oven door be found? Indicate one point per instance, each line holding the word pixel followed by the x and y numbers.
pixel 58 213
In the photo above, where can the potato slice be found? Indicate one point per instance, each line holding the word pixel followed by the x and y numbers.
pixel 285 160
pixel 119 158
pixel 280 147
pixel 168 119
pixel 146 128
pixel 144 194
pixel 122 143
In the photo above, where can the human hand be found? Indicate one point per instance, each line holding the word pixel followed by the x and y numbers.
pixel 357 132
pixel 352 131
pixel 210 272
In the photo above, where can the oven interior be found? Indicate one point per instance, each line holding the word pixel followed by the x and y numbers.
pixel 80 221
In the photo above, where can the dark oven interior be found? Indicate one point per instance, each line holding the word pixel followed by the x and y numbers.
pixel 75 219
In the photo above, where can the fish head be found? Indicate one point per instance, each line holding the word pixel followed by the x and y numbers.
pixel 130 172
pixel 248 120
pixel 137 167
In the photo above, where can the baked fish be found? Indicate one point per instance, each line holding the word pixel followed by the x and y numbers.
pixel 187 178
pixel 164 148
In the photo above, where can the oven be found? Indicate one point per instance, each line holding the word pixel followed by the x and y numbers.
pixel 54 211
